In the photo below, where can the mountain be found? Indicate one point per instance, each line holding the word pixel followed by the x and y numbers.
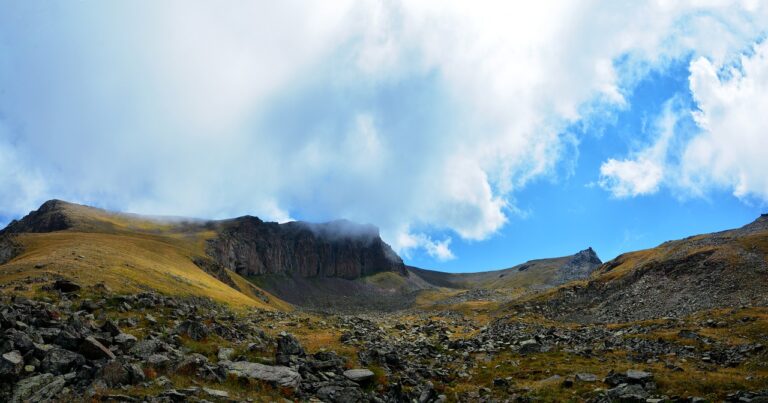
pixel 534 274
pixel 328 264
pixel 123 252
pixel 104 306
pixel 677 278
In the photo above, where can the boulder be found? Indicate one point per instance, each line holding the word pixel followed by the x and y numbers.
pixel 61 361
pixel 66 286
pixel 340 394
pixel 111 327
pixel 158 360
pixel 125 340
pixel 193 329
pixel 288 348
pixel 116 373
pixel 586 377
pixel 11 364
pixel 634 376
pixel 145 348
pixel 529 346
pixel 189 364
pixel 215 393
pixel 225 353
pixel 38 388
pixel 359 375
pixel 278 375
pixel 92 349
pixel 630 376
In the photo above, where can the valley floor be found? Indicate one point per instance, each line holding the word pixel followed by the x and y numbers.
pixel 88 344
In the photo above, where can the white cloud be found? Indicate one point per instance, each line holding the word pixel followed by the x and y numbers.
pixel 643 173
pixel 725 152
pixel 732 107
pixel 630 177
pixel 439 250
pixel 154 107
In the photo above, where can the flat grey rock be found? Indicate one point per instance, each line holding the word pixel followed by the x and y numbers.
pixel 279 375
pixel 359 375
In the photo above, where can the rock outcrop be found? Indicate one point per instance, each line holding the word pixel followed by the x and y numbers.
pixel 579 266
pixel 250 246
pixel 48 218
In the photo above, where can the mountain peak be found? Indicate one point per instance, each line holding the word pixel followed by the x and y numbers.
pixel 50 216
pixel 586 256
pixel 760 224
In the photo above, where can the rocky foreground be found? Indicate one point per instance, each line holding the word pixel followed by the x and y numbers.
pixel 73 343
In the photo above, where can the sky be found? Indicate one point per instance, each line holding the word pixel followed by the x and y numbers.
pixel 475 135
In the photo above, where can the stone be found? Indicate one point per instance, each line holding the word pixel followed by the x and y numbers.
pixel 60 361
pixel 158 360
pixel 279 375
pixel 219 394
pixel 116 373
pixel 340 394
pixel 225 353
pixel 92 349
pixel 193 329
pixel 288 348
pixel 586 377
pixel 66 286
pixel 529 346
pixel 174 396
pixel 38 388
pixel 164 382
pixel 145 348
pixel 125 340
pixel 111 327
pixel 628 393
pixel 189 364
pixel 359 375
pixel 11 364
pixel 634 376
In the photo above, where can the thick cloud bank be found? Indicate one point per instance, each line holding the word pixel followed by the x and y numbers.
pixel 419 116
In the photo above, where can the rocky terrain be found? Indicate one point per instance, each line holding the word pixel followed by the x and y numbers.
pixel 100 306
pixel 723 269
pixel 88 344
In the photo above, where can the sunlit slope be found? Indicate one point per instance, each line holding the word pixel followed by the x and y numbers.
pixel 125 252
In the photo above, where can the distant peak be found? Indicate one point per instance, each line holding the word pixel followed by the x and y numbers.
pixel 587 255
pixel 49 217
pixel 53 204
pixel 760 224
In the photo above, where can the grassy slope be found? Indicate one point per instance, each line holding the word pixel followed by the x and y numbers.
pixel 128 253
pixel 727 246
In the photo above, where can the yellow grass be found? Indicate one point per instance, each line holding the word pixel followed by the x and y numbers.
pixel 125 263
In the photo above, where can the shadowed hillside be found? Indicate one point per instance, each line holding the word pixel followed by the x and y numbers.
pixel 534 274
pixel 722 269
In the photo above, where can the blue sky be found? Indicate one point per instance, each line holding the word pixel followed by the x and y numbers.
pixel 476 136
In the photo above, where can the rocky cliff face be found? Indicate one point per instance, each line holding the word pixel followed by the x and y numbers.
pixel 579 266
pixel 250 246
